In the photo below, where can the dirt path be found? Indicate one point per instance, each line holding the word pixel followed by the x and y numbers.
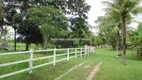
pixel 74 67
pixel 95 70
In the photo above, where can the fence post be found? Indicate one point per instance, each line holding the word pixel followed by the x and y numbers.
pixel 54 57
pixel 30 61
pixel 85 52
pixel 68 54
pixel 81 52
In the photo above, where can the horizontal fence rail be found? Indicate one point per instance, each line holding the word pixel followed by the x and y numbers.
pixel 70 53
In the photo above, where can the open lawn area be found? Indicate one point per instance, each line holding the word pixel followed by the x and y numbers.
pixel 111 68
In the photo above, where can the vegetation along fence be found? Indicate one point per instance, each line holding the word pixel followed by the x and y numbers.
pixel 69 53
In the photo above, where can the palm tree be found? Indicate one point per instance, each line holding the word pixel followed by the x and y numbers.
pixel 123 9
pixel 116 32
pixel 80 29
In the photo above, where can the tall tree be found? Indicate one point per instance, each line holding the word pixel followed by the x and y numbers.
pixel 106 25
pixel 9 18
pixel 79 29
pixel 115 31
pixel 124 9
pixel 52 21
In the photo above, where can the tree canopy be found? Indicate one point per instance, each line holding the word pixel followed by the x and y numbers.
pixel 46 19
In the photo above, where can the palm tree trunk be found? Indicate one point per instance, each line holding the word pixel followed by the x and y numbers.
pixel 117 45
pixel 14 40
pixel 123 28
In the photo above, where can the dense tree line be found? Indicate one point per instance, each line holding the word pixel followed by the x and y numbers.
pixel 36 21
pixel 113 27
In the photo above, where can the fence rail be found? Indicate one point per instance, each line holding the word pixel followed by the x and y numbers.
pixel 75 52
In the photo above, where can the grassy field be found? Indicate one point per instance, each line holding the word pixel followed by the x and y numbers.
pixel 112 68
pixel 19 47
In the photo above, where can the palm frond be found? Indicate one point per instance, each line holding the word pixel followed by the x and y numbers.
pixel 115 30
pixel 137 10
pixel 107 3
pixel 111 10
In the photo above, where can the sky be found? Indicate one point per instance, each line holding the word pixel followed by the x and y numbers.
pixel 97 10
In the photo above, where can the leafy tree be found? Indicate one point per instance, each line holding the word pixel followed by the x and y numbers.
pixel 30 32
pixel 10 16
pixel 53 23
pixel 97 40
pixel 69 7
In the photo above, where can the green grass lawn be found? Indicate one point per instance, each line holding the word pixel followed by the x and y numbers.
pixel 111 69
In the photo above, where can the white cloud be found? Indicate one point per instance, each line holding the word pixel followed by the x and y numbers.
pixel 97 10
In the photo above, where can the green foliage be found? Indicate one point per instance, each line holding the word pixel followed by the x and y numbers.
pixel 80 29
pixel 118 13
pixel 30 32
pixel 5 33
pixel 51 21
pixel 136 40
pixel 49 14
pixel 97 40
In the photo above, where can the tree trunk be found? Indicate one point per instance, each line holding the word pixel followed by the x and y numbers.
pixel 14 39
pixel 45 43
pixel 139 54
pixel 117 45
pixel 123 28
pixel 27 46
pixel 1 25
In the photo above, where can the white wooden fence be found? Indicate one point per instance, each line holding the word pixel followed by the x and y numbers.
pixel 74 51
